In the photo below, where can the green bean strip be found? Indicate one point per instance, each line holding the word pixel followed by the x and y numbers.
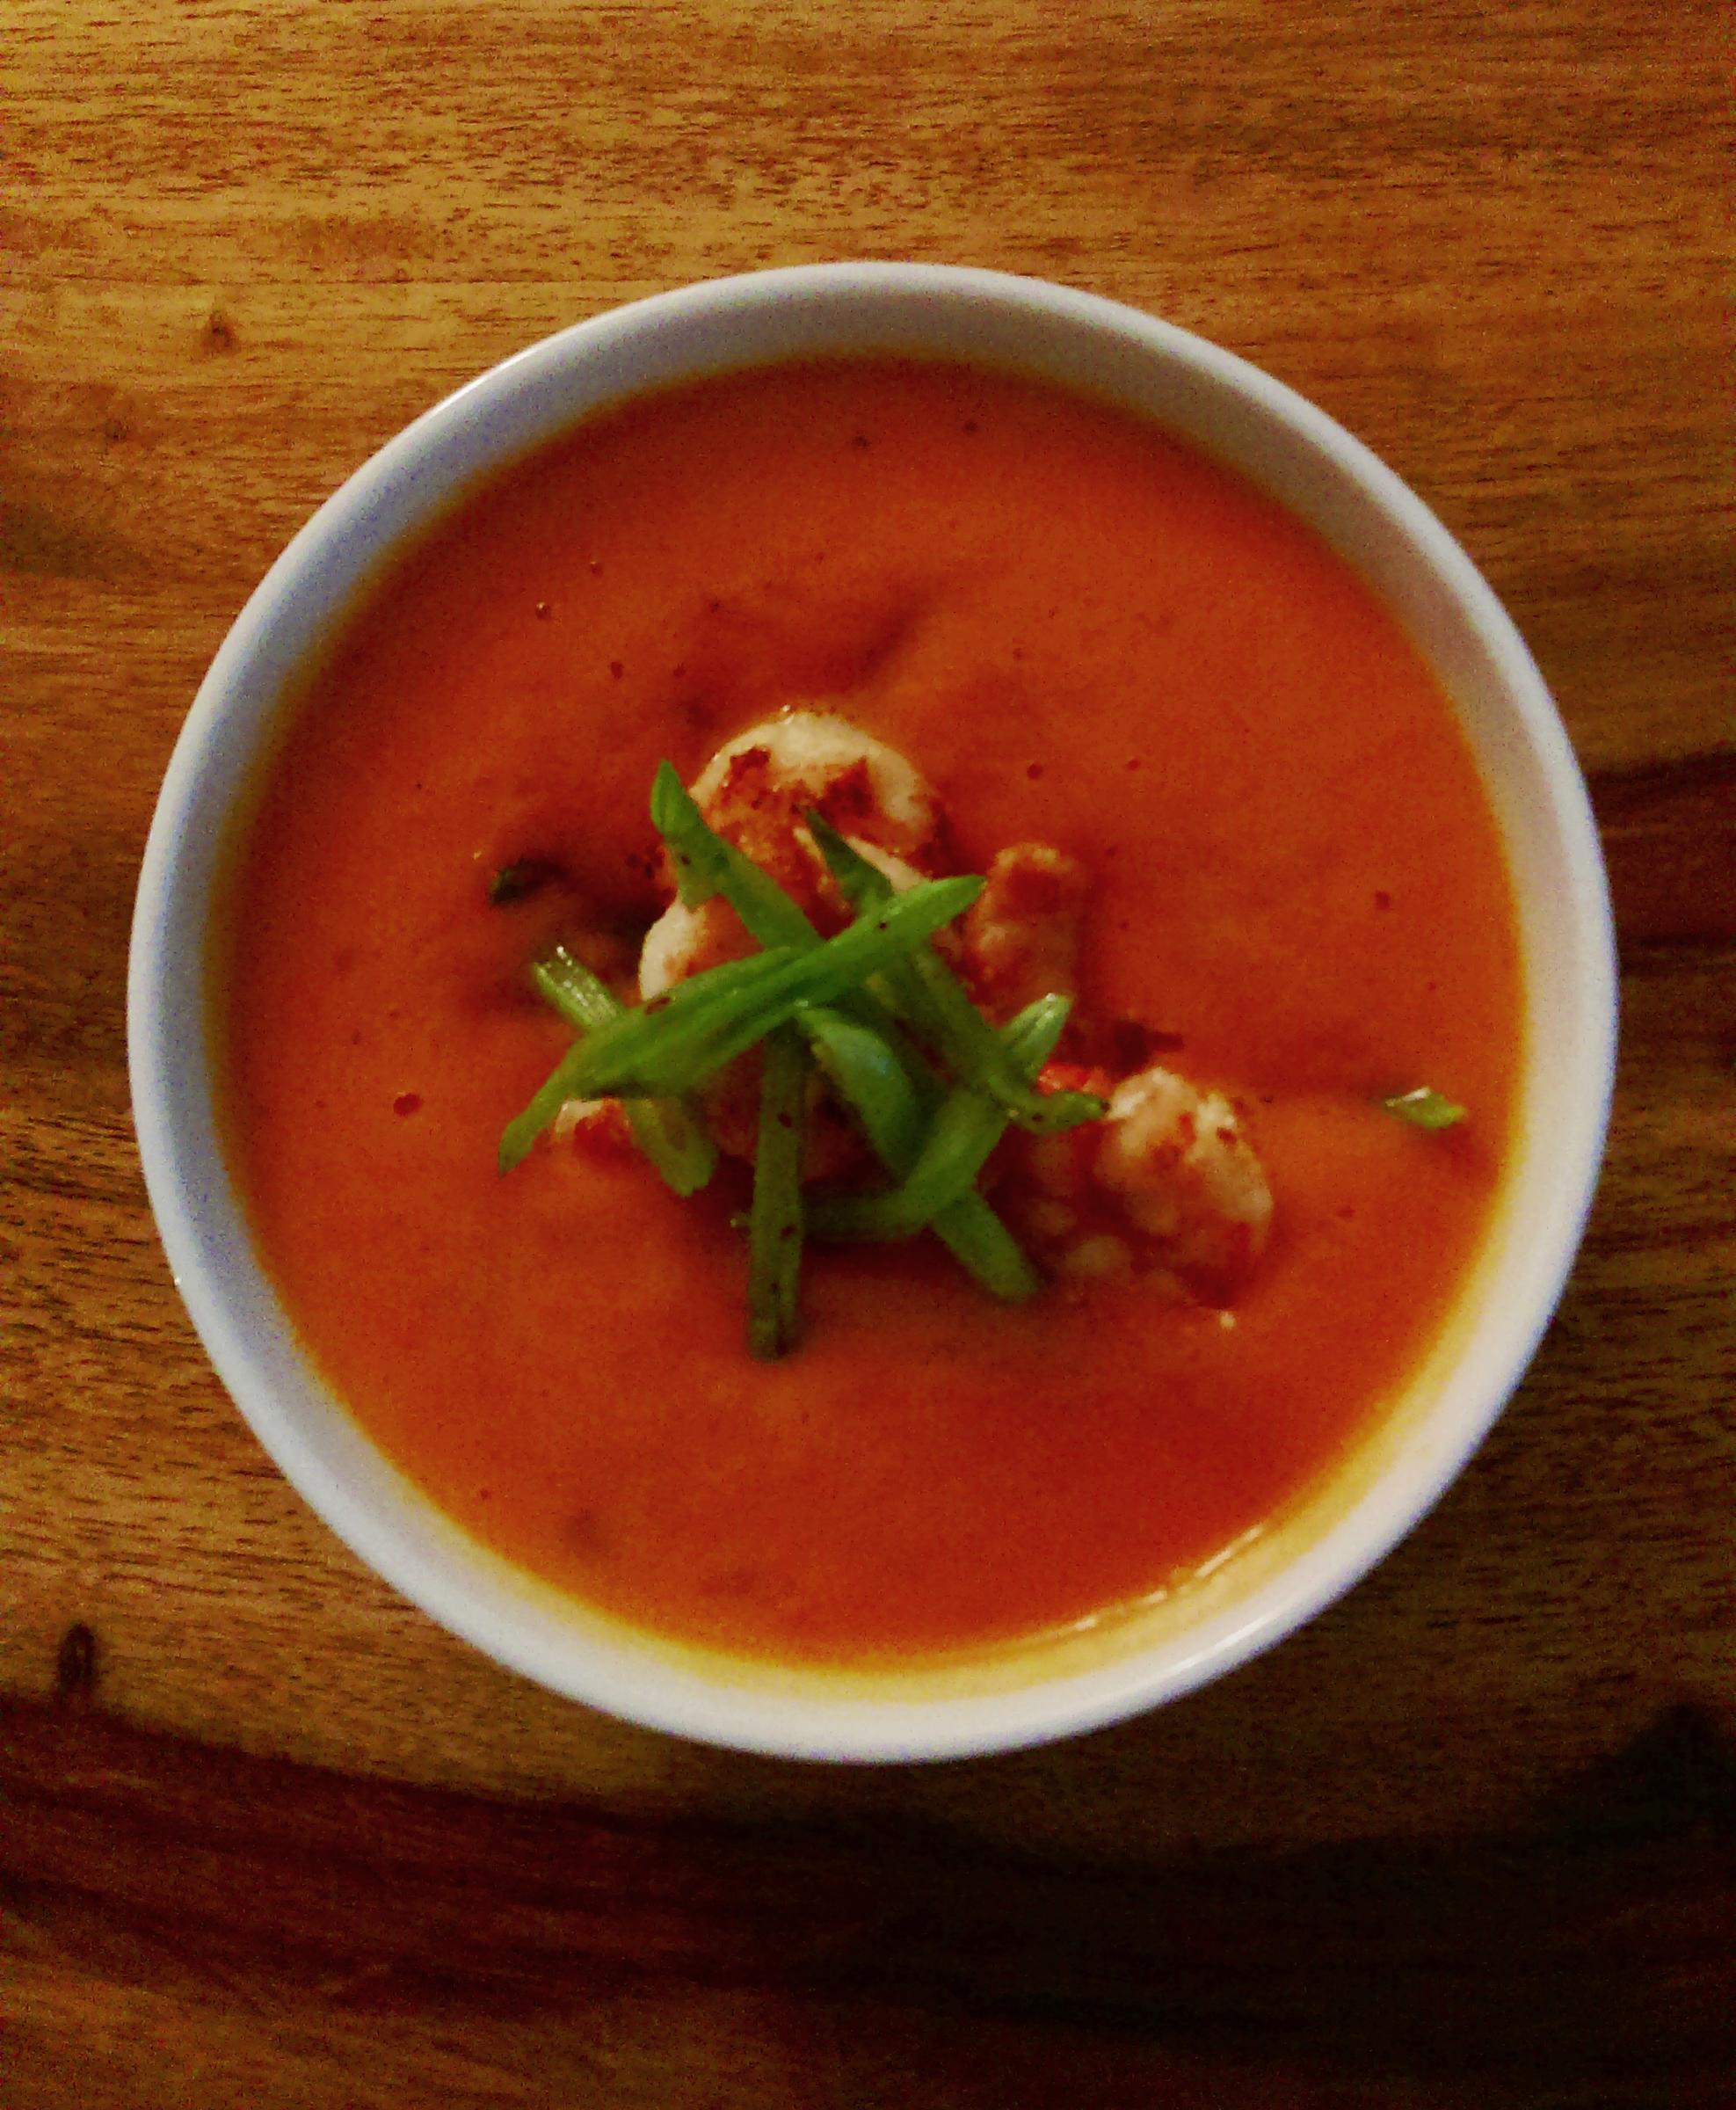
pixel 728 992
pixel 1029 1036
pixel 865 886
pixel 1424 1107
pixel 774 1223
pixel 706 864
pixel 581 996
pixel 931 998
pixel 867 1076
pixel 668 1131
pixel 669 1045
pixel 956 1147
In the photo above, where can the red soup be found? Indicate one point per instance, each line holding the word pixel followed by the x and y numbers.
pixel 1082 633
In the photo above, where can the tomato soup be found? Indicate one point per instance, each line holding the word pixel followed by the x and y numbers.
pixel 1080 631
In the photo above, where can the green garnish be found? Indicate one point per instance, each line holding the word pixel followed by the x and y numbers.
pixel 705 864
pixel 1424 1107
pixel 738 981
pixel 954 1150
pixel 872 1082
pixel 868 1075
pixel 860 1005
pixel 513 881
pixel 669 1132
pixel 959 1139
pixel 675 1041
pixel 932 1001
pixel 775 1222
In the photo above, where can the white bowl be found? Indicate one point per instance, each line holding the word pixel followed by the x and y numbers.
pixel 1285 445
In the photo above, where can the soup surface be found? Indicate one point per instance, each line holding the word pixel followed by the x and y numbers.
pixel 1080 631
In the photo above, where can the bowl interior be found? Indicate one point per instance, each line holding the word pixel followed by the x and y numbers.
pixel 1097 1673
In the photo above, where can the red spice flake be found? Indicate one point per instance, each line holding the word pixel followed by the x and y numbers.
pixel 596 567
pixel 849 797
pixel 543 611
pixel 406 1102
pixel 1057 1076
pixel 859 440
pixel 617 668
pixel 1383 900
pixel 1035 770
pixel 786 1120
pixel 1134 763
pixel 970 429
pixel 746 787
pixel 1226 1135
pixel 1032 882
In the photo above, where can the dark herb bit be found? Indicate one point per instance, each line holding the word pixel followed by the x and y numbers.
pixel 517 881
pixel 1424 1107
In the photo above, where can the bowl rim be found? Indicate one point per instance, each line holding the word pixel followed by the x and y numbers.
pixel 203 1229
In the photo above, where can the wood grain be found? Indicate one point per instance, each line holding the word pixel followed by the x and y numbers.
pixel 157 1883
pixel 240 246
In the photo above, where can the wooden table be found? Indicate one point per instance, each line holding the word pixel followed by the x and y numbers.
pixel 267 1837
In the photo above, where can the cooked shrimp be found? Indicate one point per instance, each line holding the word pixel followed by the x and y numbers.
pixel 1167 1182
pixel 685 940
pixel 1022 935
pixel 1179 1161
pixel 596 1124
pixel 1167 1185
pixel 754 791
pixel 754 788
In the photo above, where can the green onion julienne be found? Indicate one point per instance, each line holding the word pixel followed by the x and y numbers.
pixel 774 1225
pixel 705 864
pixel 871 1082
pixel 838 1001
pixel 668 1131
pixel 739 979
pixel 932 1002
pixel 963 1133
pixel 1425 1108
pixel 675 1041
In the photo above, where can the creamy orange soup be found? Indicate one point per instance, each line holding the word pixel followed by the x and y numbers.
pixel 1081 631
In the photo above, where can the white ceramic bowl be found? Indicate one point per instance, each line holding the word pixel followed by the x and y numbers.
pixel 1282 444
